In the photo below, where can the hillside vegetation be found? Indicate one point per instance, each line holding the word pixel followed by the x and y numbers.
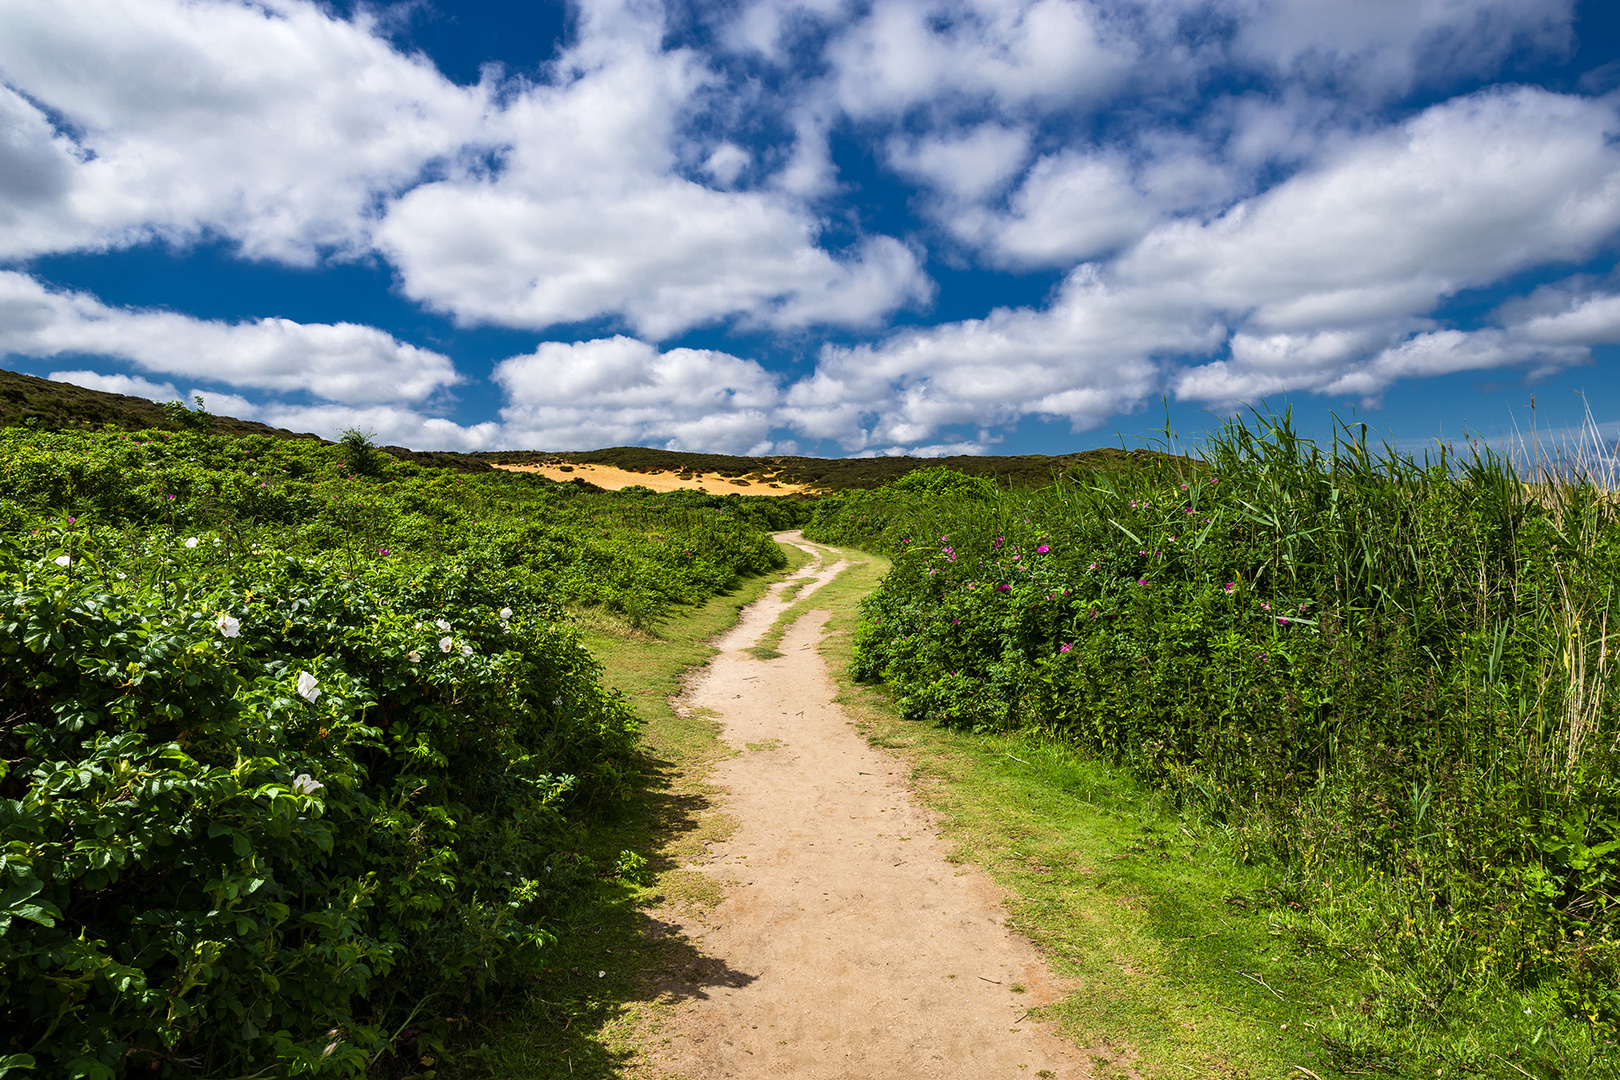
pixel 63 406
pixel 1387 681
pixel 301 751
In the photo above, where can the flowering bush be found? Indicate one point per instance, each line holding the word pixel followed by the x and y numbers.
pixel 1351 664
pixel 262 839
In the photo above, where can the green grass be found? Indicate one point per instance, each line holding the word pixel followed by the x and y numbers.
pixel 572 1022
pixel 1177 962
pixel 1187 962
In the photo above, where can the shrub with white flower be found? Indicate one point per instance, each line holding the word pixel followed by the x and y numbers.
pixel 308 688
pixel 442 625
pixel 228 626
pixel 466 650
pixel 62 560
pixel 506 613
pixel 306 784
pixel 191 541
pixel 445 644
pixel 414 657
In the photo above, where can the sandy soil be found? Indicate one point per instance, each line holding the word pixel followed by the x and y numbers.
pixel 858 950
pixel 613 478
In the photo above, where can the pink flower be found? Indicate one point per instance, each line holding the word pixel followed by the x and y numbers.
pixel 1265 605
pixel 1230 586
pixel 1065 647
pixel 1141 581
pixel 1282 620
pixel 1093 566
pixel 1003 588
pixel 1042 550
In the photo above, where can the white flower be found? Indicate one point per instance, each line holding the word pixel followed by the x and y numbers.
pixel 414 657
pixel 306 784
pixel 191 541
pixel 308 689
pixel 229 627
pixel 466 650
pixel 444 644
pixel 442 625
pixel 506 613
pixel 63 560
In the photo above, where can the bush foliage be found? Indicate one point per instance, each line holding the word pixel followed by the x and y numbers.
pixel 1361 667
pixel 295 761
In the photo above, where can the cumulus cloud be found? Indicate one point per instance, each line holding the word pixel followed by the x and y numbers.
pixel 1386 47
pixel 342 362
pixel 967 165
pixel 1288 236
pixel 271 123
pixel 589 216
pixel 1088 356
pixel 904 53
pixel 615 391
pixel 132 385
pixel 1319 284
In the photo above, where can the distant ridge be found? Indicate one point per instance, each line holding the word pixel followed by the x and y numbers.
pixel 60 406
pixel 838 474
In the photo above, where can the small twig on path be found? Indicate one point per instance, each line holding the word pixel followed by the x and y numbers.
pixel 990 980
pixel 1510 1065
pixel 1018 759
pixel 1261 982
pixel 1307 1072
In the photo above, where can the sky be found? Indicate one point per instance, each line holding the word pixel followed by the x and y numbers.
pixel 825 227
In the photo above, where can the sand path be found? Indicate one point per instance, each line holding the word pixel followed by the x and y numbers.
pixel 863 952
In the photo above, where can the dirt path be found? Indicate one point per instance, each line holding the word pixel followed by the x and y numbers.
pixel 863 952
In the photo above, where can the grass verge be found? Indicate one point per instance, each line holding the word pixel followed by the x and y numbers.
pixel 613 962
pixel 1180 964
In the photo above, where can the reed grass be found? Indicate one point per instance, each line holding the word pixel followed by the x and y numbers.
pixel 1364 666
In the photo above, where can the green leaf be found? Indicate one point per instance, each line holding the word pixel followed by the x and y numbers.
pixel 10 1063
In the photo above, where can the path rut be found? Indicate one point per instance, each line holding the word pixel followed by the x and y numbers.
pixel 863 951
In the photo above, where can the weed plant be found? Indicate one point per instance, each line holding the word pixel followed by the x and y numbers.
pixel 298 763
pixel 1383 679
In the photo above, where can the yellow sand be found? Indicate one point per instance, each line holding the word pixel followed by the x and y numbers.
pixel 614 478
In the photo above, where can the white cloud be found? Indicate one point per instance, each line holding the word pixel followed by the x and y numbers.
pixel 616 391
pixel 341 362
pixel 588 217
pixel 1318 285
pixel 392 425
pixel 271 123
pixel 1387 46
pixel 727 163
pixel 132 385
pixel 1460 195
pixel 1023 53
pixel 1073 205
pixel 967 165
pixel 1087 357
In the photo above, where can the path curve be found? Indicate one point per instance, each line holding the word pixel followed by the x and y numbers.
pixel 865 953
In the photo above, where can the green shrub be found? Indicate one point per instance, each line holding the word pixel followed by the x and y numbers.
pixel 1356 665
pixel 207 873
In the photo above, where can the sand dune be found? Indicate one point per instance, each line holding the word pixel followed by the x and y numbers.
pixel 614 478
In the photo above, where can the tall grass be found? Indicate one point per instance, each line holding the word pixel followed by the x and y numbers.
pixel 1365 666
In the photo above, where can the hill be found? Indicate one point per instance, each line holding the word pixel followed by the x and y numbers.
pixel 59 406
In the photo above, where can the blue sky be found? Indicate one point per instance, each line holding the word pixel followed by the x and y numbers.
pixel 818 226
